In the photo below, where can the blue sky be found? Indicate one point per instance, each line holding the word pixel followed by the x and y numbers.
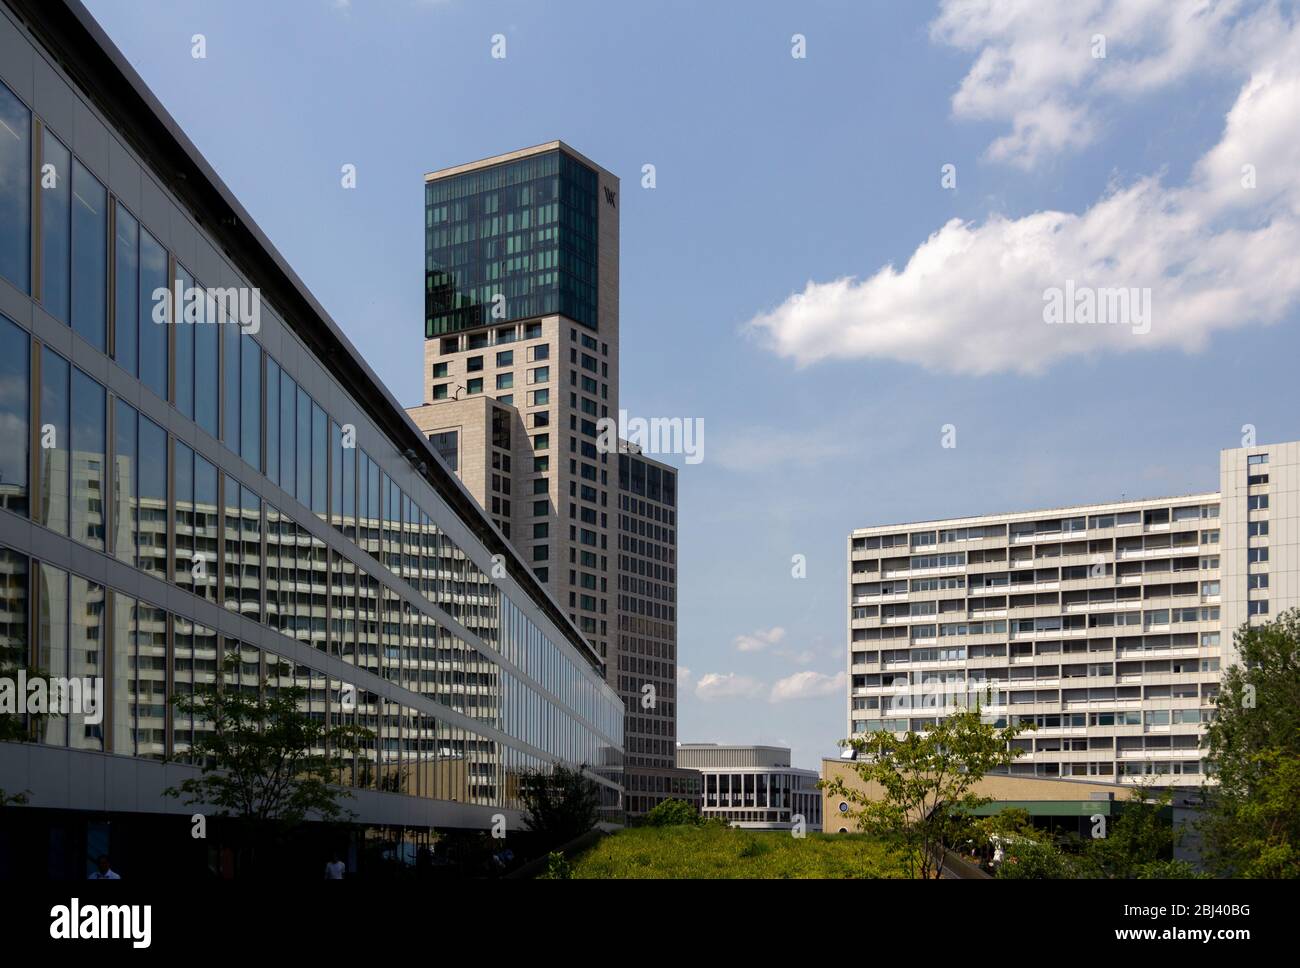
pixel 756 288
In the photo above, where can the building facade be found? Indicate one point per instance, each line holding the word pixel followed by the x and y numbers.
pixel 179 487
pixel 1106 626
pixel 754 787
pixel 521 364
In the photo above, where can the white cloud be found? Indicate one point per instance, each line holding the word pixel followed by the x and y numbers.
pixel 1215 255
pixel 727 685
pixel 684 679
pixel 808 685
pixel 1036 70
pixel 759 640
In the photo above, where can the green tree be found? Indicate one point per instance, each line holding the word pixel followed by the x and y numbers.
pixel 671 813
pixel 263 760
pixel 1252 822
pixel 924 780
pixel 18 727
pixel 1139 836
pixel 559 805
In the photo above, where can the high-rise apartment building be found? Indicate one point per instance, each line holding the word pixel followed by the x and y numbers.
pixel 177 490
pixel 520 365
pixel 1106 626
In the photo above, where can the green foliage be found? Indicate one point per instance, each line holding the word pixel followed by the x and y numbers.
pixel 926 779
pixel 559 805
pixel 671 813
pixel 1252 825
pixel 1142 834
pixel 711 851
pixel 558 867
pixel 262 757
pixel 1025 859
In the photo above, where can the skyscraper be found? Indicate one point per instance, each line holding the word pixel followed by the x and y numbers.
pixel 520 365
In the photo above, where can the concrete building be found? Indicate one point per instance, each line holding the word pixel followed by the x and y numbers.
pixel 174 494
pixel 1107 626
pixel 754 786
pixel 521 362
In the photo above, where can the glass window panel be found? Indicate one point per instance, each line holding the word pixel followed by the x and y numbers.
pixel 251 534
pixel 55 374
pixel 288 437
pixel 250 400
pixel 151 511
pixel 184 326
pixel 52 642
pixel 150 681
pixel 303 491
pixel 154 324
pixel 123 680
pixel 13 609
pixel 15 440
pixel 88 459
pixel 230 360
pixel 183 496
pixel 90 253
pixel 56 253
pixel 86 724
pixel 125 483
pixel 272 420
pixel 319 455
pixel 206 536
pixel 231 557
pixel 126 290
pixel 336 475
pixel 15 190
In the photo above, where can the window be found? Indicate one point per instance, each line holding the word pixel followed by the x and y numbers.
pixel 539 398
pixel 126 290
pixel 440 392
pixel 1256 555
pixel 15 373
pixel 1257 502
pixel 88 460
pixel 90 257
pixel 1255 460
pixel 542 351
pixel 505 381
pixel 541 529
pixel 541 441
pixel 15 190
pixel 541 418
pixel 539 375
pixel 1257 529
pixel 447 446
pixel 55 380
pixel 474 386
pixel 540 553
pixel 541 464
pixel 152 334
pixel 507 398
pixel 1257 581
pixel 1257 607
pixel 532 331
pixel 474 364
pixel 439 371
pixel 184 324
pixel 250 400
pixel 504 358
pixel 56 250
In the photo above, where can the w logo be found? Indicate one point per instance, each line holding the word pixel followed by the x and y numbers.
pixel 609 196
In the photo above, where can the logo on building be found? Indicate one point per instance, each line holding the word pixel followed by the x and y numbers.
pixel 609 197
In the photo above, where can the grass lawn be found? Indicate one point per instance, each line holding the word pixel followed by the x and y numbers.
pixel 720 852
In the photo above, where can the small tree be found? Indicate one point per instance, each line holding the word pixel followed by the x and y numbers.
pixel 1142 834
pixel 18 727
pixel 1252 822
pixel 263 760
pixel 925 784
pixel 559 805
pixel 672 813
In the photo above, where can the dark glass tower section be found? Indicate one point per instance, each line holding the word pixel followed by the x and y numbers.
pixel 524 230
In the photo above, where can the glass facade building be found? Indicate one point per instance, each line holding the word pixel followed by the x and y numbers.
pixel 512 241
pixel 174 491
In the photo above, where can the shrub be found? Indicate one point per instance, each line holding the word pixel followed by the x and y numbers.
pixel 672 813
